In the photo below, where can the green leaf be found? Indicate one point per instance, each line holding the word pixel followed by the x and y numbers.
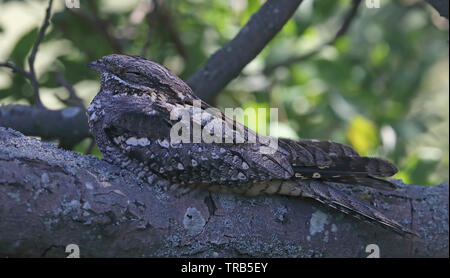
pixel 23 47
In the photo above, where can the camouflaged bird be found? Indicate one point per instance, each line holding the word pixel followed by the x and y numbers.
pixel 132 116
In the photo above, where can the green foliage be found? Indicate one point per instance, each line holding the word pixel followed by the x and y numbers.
pixel 19 88
pixel 366 89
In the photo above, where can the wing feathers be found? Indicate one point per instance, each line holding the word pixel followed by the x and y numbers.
pixel 339 163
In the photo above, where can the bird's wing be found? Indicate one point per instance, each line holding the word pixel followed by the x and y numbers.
pixel 325 160
pixel 146 138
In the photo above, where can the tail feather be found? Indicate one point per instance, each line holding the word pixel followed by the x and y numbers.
pixel 365 181
pixel 349 205
pixel 374 166
pixel 340 159
pixel 315 161
pixel 333 149
pixel 344 165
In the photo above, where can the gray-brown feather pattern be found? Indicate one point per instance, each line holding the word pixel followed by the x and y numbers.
pixel 130 121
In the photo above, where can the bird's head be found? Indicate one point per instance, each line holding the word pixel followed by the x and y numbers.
pixel 134 75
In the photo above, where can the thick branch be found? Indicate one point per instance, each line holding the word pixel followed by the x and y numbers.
pixel 69 125
pixel 228 62
pixel 50 198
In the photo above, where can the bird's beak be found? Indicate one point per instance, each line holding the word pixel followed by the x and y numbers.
pixel 98 66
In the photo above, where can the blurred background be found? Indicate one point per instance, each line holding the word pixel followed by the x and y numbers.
pixel 382 86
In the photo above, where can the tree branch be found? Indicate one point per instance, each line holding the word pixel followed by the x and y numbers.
pixel 51 198
pixel 344 27
pixel 31 74
pixel 16 69
pixel 100 25
pixel 228 62
pixel 69 125
pixel 150 18
pixel 73 99
pixel 441 6
pixel 33 79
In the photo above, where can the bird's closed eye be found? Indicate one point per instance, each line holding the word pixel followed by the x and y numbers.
pixel 133 73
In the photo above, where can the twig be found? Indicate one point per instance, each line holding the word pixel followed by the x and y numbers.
pixel 31 74
pixel 150 27
pixel 69 125
pixel 73 99
pixel 169 21
pixel 15 69
pixel 344 27
pixel 228 62
pixel 33 79
pixel 161 16
pixel 90 147
pixel 100 25
pixel 146 45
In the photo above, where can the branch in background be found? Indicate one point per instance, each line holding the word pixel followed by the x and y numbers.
pixel 159 16
pixel 51 198
pixel 15 69
pixel 441 6
pixel 168 21
pixel 31 74
pixel 74 99
pixel 69 125
pixel 224 65
pixel 102 26
pixel 153 9
pixel 90 147
pixel 32 57
pixel 345 26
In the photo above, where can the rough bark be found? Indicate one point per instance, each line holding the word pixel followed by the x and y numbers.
pixel 50 198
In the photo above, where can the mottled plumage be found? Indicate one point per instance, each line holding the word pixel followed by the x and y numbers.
pixel 130 119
